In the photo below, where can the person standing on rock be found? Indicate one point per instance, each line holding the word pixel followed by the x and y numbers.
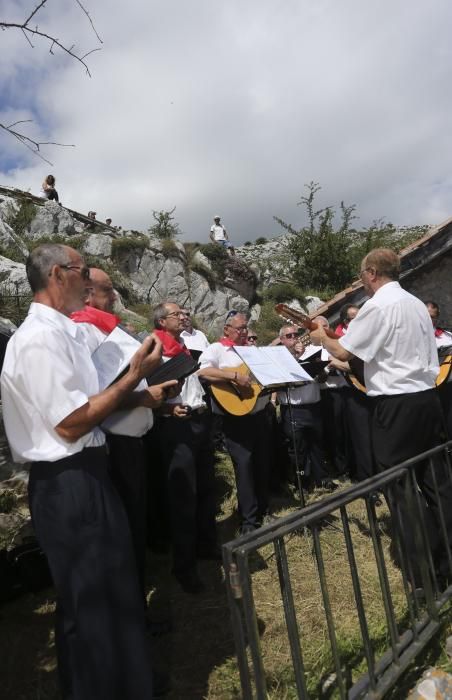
pixel 218 234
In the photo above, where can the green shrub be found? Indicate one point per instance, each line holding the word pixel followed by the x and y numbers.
pixel 269 323
pixel 261 240
pixel 205 272
pixel 21 218
pixel 128 244
pixel 169 249
pixel 247 243
pixel 218 257
pixel 12 252
pixel 283 291
pixel 165 227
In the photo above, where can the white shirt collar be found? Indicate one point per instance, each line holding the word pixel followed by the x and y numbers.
pixel 59 319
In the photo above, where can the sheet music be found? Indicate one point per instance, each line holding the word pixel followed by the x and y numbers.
pixel 273 366
pixel 113 355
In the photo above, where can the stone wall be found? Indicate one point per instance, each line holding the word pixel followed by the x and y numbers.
pixel 434 282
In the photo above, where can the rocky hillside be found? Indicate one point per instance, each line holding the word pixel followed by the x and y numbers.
pixel 146 270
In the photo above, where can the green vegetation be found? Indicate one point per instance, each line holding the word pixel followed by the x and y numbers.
pixel 218 258
pixel 12 252
pixel 284 292
pixel 128 244
pixel 165 226
pixel 169 249
pixel 261 240
pixel 20 219
pixel 8 501
pixel 328 254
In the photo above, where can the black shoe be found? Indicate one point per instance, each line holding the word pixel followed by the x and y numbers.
pixel 246 529
pixel 190 582
pixel 160 684
pixel 210 553
pixel 328 485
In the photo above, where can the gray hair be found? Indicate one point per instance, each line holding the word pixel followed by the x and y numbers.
pixel 40 262
pixel 160 312
pixel 286 325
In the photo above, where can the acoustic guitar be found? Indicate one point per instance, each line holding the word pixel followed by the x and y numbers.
pixel 234 399
pixel 445 364
pixel 356 377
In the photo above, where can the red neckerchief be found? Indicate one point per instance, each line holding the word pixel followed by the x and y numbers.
pixel 340 330
pixel 171 347
pixel 103 320
pixel 227 342
pixel 438 332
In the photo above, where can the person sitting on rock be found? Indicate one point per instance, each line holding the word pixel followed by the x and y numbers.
pixel 48 190
pixel 218 234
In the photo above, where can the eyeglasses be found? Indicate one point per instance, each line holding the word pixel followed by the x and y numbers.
pixel 252 337
pixel 366 269
pixel 231 313
pixel 84 271
pixel 240 329
pixel 291 335
pixel 174 313
pixel 186 313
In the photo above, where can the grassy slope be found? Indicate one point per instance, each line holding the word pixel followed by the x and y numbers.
pixel 199 653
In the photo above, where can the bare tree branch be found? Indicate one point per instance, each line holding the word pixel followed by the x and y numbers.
pixel 28 31
pixel 31 144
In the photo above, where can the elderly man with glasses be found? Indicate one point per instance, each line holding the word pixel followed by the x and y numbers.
pixel 304 434
pixel 52 409
pixel 246 436
pixel 183 433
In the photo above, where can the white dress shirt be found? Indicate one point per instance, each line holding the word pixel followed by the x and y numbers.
pixel 47 375
pixel 222 356
pixel 307 393
pixel 444 339
pixel 196 340
pixel 133 422
pixel 392 334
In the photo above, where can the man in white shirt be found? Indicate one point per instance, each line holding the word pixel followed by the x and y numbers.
pixel 246 436
pixel 124 429
pixel 193 338
pixel 218 234
pixel 183 432
pixel 52 409
pixel 392 334
pixel 301 416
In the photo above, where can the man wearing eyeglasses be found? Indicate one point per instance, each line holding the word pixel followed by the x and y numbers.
pixel 246 436
pixel 52 409
pixel 392 334
pixel 305 434
pixel 183 433
pixel 193 338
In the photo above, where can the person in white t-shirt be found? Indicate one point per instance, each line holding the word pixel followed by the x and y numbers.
pixel 218 234
pixel 392 334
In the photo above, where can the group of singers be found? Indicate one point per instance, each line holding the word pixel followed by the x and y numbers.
pixel 90 449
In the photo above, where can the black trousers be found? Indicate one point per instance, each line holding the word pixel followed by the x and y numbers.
pixel 186 449
pixel 358 413
pixel 445 396
pixel 248 445
pixel 335 428
pixel 403 426
pixel 81 525
pixel 306 439
pixel 128 473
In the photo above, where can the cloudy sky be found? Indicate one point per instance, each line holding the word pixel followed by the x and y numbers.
pixel 231 107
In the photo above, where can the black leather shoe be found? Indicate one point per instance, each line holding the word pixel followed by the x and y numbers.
pixel 190 582
pixel 328 485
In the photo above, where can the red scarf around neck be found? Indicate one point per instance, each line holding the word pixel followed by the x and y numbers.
pixel 103 320
pixel 171 347
pixel 438 332
pixel 227 342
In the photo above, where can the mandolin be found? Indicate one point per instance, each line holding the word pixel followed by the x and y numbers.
pixel 445 360
pixel 356 377
pixel 234 399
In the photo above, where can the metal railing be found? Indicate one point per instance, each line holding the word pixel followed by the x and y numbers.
pixel 423 591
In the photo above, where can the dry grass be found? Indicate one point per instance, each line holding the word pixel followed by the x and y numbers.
pixel 199 653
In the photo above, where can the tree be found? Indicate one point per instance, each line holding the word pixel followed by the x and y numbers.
pixel 165 227
pixel 31 33
pixel 318 255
